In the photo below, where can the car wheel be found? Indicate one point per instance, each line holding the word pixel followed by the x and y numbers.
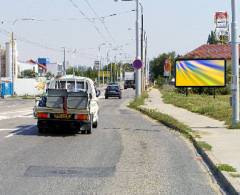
pixel 95 124
pixel 41 130
pixel 106 97
pixel 90 126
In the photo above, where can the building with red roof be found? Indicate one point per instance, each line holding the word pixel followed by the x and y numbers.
pixel 211 51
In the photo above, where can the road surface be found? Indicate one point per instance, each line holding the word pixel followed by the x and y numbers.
pixel 127 154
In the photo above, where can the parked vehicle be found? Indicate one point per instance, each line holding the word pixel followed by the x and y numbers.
pixel 129 80
pixel 113 91
pixel 70 102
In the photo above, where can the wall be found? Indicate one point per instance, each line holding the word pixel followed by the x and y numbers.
pixel 29 86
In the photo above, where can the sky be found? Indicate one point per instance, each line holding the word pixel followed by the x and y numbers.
pixel 171 25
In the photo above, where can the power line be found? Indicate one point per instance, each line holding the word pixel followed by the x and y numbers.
pixel 66 19
pixel 89 19
pixel 100 19
pixel 37 44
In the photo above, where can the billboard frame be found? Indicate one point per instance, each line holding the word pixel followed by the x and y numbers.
pixel 189 59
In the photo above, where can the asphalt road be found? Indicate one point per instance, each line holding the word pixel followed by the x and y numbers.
pixel 127 154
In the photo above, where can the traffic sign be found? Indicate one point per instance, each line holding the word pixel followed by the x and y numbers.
pixel 137 64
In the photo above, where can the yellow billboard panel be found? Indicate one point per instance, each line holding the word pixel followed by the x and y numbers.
pixel 201 73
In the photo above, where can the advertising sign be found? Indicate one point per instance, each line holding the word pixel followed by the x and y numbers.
pixel 167 68
pixel 105 74
pixel 200 73
pixel 221 19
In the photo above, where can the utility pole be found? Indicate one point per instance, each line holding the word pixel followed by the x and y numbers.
pixel 235 66
pixel 145 62
pixel 142 69
pixel 64 61
pixel 137 71
pixel 115 65
pixel 13 64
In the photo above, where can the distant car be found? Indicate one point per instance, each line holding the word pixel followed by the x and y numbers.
pixel 129 84
pixel 113 90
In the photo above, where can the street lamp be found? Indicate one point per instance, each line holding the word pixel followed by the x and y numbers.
pixel 137 71
pixel 99 58
pixel 235 66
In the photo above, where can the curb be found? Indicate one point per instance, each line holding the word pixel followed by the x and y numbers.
pixel 220 177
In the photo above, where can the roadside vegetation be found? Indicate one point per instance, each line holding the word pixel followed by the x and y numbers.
pixel 226 167
pixel 217 108
pixel 204 145
pixel 138 101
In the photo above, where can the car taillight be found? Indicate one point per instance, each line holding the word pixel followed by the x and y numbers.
pixel 81 117
pixel 42 115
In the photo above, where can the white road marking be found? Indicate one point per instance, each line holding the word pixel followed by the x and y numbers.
pixel 8 129
pixel 16 114
pixel 10 135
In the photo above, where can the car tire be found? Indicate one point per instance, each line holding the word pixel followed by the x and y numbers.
pixel 106 97
pixel 41 130
pixel 120 97
pixel 90 126
pixel 95 124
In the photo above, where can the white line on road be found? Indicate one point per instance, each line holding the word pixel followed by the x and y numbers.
pixel 8 129
pixel 10 135
pixel 16 114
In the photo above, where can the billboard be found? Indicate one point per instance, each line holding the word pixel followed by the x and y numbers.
pixel 200 72
pixel 105 74
pixel 221 19
pixel 167 68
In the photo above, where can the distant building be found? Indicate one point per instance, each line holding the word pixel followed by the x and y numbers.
pixel 212 51
pixel 8 54
pixel 55 68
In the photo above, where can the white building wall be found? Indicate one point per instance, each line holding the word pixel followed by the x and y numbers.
pixel 54 68
pixel 0 61
pixel 29 86
pixel 8 60
pixel 9 69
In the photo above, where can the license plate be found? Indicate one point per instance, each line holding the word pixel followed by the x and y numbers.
pixel 62 116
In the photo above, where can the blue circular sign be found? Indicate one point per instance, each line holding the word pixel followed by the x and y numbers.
pixel 137 64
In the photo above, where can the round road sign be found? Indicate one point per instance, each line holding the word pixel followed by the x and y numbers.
pixel 137 64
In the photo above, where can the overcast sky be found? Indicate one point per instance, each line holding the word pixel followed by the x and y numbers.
pixel 171 25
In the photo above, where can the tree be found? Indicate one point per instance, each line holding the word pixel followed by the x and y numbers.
pixel 212 38
pixel 157 64
pixel 29 73
pixel 49 75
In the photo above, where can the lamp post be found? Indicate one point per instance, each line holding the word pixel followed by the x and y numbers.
pixel 99 58
pixel 137 71
pixel 235 65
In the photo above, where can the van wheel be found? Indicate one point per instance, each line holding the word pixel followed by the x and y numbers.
pixel 41 130
pixel 95 124
pixel 89 126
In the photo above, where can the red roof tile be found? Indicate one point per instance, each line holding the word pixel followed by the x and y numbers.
pixel 211 51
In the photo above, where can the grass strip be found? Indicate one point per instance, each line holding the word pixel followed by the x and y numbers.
pixel 226 167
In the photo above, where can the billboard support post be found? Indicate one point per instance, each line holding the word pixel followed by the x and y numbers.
pixel 235 66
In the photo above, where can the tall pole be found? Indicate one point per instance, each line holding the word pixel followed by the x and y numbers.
pixel 145 61
pixel 12 41
pixel 137 71
pixel 64 61
pixel 99 64
pixel 235 66
pixel 142 70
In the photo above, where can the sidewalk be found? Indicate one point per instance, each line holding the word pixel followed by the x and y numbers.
pixel 225 142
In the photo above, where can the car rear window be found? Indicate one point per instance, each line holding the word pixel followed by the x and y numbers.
pixel 112 87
